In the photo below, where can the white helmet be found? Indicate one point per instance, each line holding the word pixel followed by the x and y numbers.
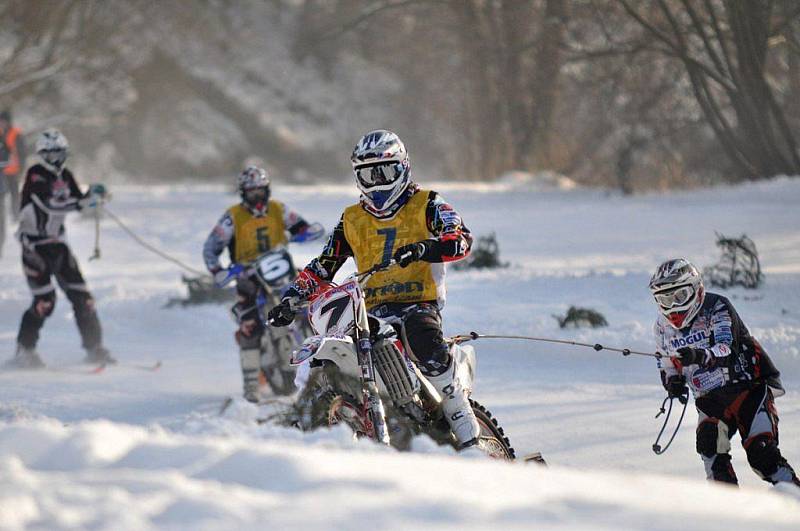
pixel 678 289
pixel 52 146
pixel 254 188
pixel 382 169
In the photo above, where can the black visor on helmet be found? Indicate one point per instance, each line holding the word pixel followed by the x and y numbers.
pixel 379 174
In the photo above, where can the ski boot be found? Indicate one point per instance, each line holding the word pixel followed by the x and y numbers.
pixel 25 358
pixel 100 356
pixel 456 407
pixel 250 359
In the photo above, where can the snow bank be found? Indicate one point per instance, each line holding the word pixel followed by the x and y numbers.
pixel 113 476
pixel 145 450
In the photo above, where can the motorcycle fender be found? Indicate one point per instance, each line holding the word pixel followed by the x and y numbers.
pixel 339 350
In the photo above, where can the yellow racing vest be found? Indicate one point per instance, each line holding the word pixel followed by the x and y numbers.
pixel 374 241
pixel 253 235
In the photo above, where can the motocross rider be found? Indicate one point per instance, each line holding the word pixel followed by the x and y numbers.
pixel 249 229
pixel 395 218
pixel 733 380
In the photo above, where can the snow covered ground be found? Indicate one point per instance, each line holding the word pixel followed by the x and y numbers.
pixel 130 449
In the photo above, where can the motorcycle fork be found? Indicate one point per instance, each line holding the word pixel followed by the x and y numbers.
pixel 376 414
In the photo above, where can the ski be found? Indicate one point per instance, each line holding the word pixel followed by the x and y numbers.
pixel 101 368
pixel 148 367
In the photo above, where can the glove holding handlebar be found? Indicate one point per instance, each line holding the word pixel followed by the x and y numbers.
pixel 220 276
pixel 303 287
pixel 283 314
pixel 408 254
pixel 223 276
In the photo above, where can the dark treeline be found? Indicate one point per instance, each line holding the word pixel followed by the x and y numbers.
pixel 624 93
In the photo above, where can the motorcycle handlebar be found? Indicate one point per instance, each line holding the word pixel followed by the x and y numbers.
pixel 296 304
pixel 383 266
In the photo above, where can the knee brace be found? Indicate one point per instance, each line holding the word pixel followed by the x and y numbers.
pixel 43 305
pixel 423 333
pixel 766 460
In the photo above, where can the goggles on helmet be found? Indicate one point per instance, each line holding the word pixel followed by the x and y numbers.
pixel 255 195
pixel 379 174
pixel 54 156
pixel 674 297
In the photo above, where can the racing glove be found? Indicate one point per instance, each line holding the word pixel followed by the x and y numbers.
pixel 691 356
pixel 99 190
pixel 96 196
pixel 675 386
pixel 220 276
pixel 410 253
pixel 281 315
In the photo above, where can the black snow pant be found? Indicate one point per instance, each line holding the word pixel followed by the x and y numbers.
pixel 251 327
pixel 422 331
pixel 40 265
pixel 750 411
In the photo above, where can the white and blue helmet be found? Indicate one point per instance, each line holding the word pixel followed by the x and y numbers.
pixel 382 170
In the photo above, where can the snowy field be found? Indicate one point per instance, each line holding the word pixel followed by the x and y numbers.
pixel 130 449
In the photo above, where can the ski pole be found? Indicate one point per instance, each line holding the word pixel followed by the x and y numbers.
pixel 597 346
pixel 96 254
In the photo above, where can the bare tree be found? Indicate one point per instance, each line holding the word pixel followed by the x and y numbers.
pixel 724 46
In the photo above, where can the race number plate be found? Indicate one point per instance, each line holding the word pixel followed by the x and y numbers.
pixel 332 313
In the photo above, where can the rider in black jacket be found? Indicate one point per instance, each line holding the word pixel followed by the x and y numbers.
pixel 732 378
pixel 48 195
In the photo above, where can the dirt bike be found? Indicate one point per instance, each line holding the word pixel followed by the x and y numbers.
pixel 273 271
pixel 357 371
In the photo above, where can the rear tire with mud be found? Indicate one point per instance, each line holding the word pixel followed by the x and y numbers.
pixel 492 438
